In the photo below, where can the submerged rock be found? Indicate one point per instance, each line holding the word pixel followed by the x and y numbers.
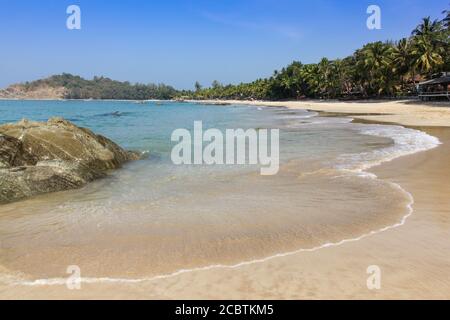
pixel 41 157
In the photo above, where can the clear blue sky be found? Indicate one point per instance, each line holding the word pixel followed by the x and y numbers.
pixel 180 41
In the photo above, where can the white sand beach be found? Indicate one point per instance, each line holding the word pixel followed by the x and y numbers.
pixel 404 112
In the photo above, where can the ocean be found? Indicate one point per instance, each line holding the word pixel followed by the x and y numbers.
pixel 154 219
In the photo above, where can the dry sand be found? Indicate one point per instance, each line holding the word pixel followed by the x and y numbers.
pixel 408 112
pixel 414 258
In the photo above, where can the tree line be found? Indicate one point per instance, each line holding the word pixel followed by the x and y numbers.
pixel 378 69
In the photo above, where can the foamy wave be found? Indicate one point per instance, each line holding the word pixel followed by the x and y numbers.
pixel 316 120
pixel 308 115
pixel 405 142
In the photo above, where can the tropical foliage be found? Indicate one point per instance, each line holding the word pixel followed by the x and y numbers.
pixel 378 69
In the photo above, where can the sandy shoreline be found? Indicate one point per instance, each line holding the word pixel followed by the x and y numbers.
pixel 413 258
pixel 408 113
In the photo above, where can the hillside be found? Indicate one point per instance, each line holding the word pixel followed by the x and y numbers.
pixel 67 86
pixel 19 91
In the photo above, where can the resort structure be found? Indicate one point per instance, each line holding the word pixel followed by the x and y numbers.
pixel 436 88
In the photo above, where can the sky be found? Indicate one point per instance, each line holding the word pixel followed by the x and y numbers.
pixel 178 42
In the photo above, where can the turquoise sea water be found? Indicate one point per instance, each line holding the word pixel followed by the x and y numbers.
pixel 132 125
pixel 148 127
pixel 153 218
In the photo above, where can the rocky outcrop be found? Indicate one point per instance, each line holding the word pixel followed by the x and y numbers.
pixel 41 157
pixel 19 91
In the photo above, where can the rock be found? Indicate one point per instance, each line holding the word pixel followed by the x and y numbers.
pixel 43 91
pixel 13 154
pixel 39 157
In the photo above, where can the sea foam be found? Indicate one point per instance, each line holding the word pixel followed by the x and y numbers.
pixel 406 141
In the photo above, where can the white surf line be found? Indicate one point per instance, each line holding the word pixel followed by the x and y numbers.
pixel 89 280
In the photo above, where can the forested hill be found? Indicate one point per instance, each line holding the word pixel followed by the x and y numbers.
pixel 67 86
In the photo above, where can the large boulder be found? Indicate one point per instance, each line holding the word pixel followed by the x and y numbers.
pixel 41 157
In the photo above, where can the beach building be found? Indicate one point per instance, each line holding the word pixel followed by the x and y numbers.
pixel 436 88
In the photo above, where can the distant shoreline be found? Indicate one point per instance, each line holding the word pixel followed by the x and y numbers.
pixel 404 112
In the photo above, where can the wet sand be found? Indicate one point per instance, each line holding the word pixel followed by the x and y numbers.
pixel 414 258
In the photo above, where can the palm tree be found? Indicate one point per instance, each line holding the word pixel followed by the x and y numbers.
pixel 329 76
pixel 374 61
pixel 402 59
pixel 427 59
pixel 429 46
pixel 446 37
pixel 197 86
pixel 427 27
pixel 312 79
pixel 324 75
pixel 446 20
pixel 345 70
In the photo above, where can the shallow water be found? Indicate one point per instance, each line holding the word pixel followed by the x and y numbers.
pixel 154 218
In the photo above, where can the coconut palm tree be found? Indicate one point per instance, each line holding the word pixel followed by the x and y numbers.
pixel 427 59
pixel 374 63
pixel 403 60
pixel 324 75
pixel 310 80
pixel 427 27
pixel 402 56
pixel 429 46
pixel 446 20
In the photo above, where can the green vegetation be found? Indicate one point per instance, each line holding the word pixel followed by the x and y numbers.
pixel 103 88
pixel 379 69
